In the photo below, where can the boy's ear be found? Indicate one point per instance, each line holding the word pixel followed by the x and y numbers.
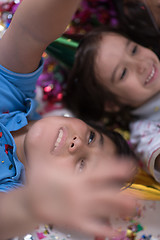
pixel 111 107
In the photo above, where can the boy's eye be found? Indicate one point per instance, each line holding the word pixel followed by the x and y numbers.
pixel 123 73
pixel 134 50
pixel 91 137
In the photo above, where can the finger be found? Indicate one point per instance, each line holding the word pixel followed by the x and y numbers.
pixel 98 228
pixel 120 173
pixel 106 205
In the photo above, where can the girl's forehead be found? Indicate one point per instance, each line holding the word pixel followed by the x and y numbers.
pixel 111 45
pixel 113 36
pixel 111 54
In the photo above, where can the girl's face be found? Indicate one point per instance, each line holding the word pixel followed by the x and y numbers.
pixel 67 143
pixel 127 69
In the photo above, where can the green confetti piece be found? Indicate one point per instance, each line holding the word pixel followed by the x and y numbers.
pixel 139 228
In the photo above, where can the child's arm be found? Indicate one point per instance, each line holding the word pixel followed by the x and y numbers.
pixel 34 26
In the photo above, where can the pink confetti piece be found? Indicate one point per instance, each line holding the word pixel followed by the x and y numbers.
pixel 40 235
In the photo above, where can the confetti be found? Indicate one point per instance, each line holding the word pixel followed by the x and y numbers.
pixel 40 235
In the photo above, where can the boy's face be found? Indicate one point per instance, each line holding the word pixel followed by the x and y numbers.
pixel 127 69
pixel 67 143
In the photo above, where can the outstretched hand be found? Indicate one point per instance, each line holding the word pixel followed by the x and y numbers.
pixel 83 202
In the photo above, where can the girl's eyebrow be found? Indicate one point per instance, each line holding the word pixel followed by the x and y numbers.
pixel 116 68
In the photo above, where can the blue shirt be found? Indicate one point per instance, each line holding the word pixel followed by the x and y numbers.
pixel 17 106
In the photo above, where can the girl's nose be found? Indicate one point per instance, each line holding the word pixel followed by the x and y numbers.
pixel 75 144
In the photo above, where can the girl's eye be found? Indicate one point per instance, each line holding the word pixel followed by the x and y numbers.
pixel 123 73
pixel 134 50
pixel 91 137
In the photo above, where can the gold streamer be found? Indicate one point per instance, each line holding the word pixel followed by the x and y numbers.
pixel 145 187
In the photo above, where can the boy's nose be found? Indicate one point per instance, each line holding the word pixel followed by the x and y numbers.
pixel 75 144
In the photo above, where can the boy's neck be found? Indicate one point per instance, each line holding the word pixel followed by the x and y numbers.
pixel 19 138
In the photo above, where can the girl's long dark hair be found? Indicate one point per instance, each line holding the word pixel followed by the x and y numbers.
pixel 139 23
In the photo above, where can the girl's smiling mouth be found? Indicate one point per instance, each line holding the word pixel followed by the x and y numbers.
pixel 151 76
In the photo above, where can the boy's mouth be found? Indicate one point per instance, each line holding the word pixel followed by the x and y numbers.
pixel 59 138
pixel 151 76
